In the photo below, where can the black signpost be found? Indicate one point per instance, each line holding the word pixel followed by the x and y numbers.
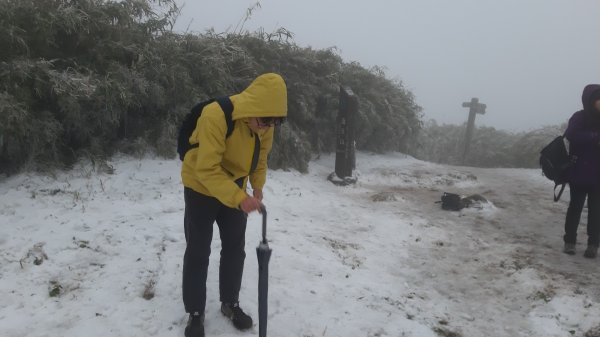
pixel 345 158
pixel 474 108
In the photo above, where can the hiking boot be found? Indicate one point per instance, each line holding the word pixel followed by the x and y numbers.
pixel 569 248
pixel 195 325
pixel 233 311
pixel 591 251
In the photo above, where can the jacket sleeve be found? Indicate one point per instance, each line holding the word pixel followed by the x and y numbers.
pixel 578 135
pixel 259 176
pixel 211 137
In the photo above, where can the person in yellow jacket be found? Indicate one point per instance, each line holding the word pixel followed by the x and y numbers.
pixel 215 175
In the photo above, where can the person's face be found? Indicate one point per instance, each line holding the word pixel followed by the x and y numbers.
pixel 260 124
pixel 255 124
pixel 597 105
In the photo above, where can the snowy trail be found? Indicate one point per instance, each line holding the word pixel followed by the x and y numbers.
pixel 508 260
pixel 376 259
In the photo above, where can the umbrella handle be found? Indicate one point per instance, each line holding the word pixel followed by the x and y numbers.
pixel 263 211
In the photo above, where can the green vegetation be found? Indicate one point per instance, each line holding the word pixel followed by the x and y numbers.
pixel 87 78
pixel 489 147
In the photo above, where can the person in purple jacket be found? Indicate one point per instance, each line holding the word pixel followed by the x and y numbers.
pixel 583 134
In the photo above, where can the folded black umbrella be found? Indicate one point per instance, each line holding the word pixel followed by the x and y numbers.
pixel 263 252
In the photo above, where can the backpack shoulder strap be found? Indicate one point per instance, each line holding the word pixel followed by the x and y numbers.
pixel 227 107
pixel 562 188
pixel 255 154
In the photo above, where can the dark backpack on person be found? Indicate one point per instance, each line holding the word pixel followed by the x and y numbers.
pixel 191 119
pixel 555 163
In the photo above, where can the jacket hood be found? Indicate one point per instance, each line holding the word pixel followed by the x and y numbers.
pixel 266 96
pixel 586 97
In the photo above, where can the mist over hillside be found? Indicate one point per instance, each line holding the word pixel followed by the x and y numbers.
pixel 489 147
pixel 99 77
pixel 95 77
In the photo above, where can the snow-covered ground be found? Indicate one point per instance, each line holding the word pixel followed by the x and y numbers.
pixel 89 253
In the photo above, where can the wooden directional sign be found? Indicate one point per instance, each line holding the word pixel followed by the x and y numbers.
pixel 474 108
pixel 474 105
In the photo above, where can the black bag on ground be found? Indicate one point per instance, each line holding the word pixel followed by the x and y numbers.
pixel 555 163
pixel 452 202
pixel 189 123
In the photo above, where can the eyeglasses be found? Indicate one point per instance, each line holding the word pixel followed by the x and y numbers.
pixel 270 121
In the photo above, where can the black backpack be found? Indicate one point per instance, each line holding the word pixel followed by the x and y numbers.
pixel 452 202
pixel 189 123
pixel 555 163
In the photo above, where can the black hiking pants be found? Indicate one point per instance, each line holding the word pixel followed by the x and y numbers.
pixel 201 212
pixel 578 196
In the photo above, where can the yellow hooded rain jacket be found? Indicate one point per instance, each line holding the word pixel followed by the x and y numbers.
pixel 212 167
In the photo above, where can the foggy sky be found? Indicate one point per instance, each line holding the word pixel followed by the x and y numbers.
pixel 527 60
